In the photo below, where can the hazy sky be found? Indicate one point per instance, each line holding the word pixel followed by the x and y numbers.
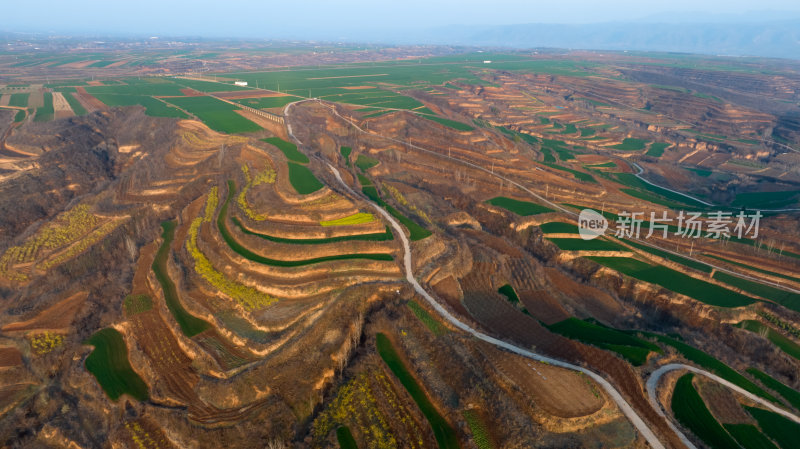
pixel 296 18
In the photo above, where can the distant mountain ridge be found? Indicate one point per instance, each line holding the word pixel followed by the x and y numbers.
pixel 774 39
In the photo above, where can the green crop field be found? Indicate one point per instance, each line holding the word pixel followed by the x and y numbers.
pixel 134 304
pixel 712 364
pixel 657 149
pixel 523 208
pixel 345 151
pixel 632 348
pixel 415 231
pixel 217 114
pixel 109 364
pixel 785 344
pixel 782 430
pixel 558 227
pixel 669 256
pixel 144 87
pixel 373 237
pixel 153 107
pixel 427 319
pixel 46 112
pixel 267 102
pixel 19 100
pixel 444 433
pixel 676 201
pixel 303 179
pixel 357 218
pixel 601 165
pixel 345 438
pixel 459 126
pixel 509 292
pixel 689 410
pixel 567 244
pixel 749 436
pixel 20 116
pixel 630 144
pixel 579 175
pixel 790 394
pixel 480 431
pixel 76 106
pixel 785 298
pixel 676 281
pixel 548 155
pixel 289 149
pixel 751 267
pixel 209 86
pixel 249 255
pixel 190 325
pixel 767 200
pixel 364 162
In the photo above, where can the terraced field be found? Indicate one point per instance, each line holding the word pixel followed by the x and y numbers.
pixel 109 364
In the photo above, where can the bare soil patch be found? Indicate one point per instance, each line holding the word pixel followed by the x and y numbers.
pixel 58 317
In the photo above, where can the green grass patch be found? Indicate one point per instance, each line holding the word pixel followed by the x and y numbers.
pixel 630 144
pixel 288 149
pixel 785 298
pixel 427 319
pixel 249 255
pixel 767 200
pixel 669 256
pixel 691 411
pixel 302 179
pixel 558 227
pixel 190 325
pixel 509 292
pixel 134 304
pixel 788 393
pixel 523 208
pixel 217 114
pixel 74 104
pixel 749 436
pixel 657 149
pixel 345 151
pixel 357 218
pixel 459 126
pixel 548 155
pixel 364 162
pixel 46 112
pixel 579 175
pixel 345 438
pixel 676 281
pixel 785 344
pixel 444 433
pixel 480 431
pixel 153 107
pixel 567 244
pixel 19 100
pixel 109 364
pixel 20 116
pixel 782 430
pixel 630 347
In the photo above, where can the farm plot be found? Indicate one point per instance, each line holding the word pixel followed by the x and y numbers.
pixel 635 350
pixel 61 106
pixel 790 394
pixel 676 281
pixel 374 237
pixel 249 255
pixel 19 100
pixel 303 179
pixel 357 218
pixel 785 298
pixel 416 232
pixel 267 102
pixel 669 256
pixel 190 325
pixel 568 244
pixel 691 411
pixel 46 112
pixel 523 208
pixel 785 344
pixel 217 114
pixel 110 366
pixel 153 107
pixel 288 149
pixel 782 430
pixel 364 162
pixel 136 87
pixel 442 430
pixel 630 144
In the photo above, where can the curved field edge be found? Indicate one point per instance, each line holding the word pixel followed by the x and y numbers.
pixel 190 325
pixel 109 364
pixel 249 255
pixel 442 430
